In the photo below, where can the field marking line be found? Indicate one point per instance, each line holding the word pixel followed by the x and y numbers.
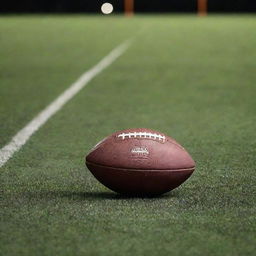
pixel 25 133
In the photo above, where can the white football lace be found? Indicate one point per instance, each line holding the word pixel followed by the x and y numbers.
pixel 146 135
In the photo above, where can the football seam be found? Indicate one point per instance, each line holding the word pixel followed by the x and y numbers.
pixel 136 169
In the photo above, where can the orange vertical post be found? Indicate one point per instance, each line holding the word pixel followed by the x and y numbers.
pixel 202 7
pixel 129 7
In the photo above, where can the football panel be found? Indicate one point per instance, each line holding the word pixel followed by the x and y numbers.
pixel 139 182
pixel 140 154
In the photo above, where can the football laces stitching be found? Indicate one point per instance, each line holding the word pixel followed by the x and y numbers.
pixel 142 135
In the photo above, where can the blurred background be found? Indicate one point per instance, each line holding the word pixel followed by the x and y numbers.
pixel 121 6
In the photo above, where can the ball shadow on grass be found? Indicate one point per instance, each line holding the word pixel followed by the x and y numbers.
pixel 92 195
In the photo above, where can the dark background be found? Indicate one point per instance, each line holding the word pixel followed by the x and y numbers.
pixel 141 6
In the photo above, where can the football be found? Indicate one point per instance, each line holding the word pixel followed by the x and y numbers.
pixel 140 162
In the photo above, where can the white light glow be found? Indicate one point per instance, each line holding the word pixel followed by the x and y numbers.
pixel 107 8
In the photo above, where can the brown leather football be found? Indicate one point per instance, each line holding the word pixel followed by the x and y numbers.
pixel 140 162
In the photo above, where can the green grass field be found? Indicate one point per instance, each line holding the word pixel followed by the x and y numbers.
pixel 191 78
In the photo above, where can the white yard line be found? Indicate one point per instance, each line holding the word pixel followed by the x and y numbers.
pixel 25 133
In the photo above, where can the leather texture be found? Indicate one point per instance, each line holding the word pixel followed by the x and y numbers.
pixel 140 153
pixel 139 182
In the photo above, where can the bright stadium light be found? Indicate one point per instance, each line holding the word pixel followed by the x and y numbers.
pixel 107 8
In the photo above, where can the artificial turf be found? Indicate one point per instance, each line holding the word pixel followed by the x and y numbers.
pixel 191 78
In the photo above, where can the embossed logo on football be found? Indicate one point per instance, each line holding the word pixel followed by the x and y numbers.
pixel 139 153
